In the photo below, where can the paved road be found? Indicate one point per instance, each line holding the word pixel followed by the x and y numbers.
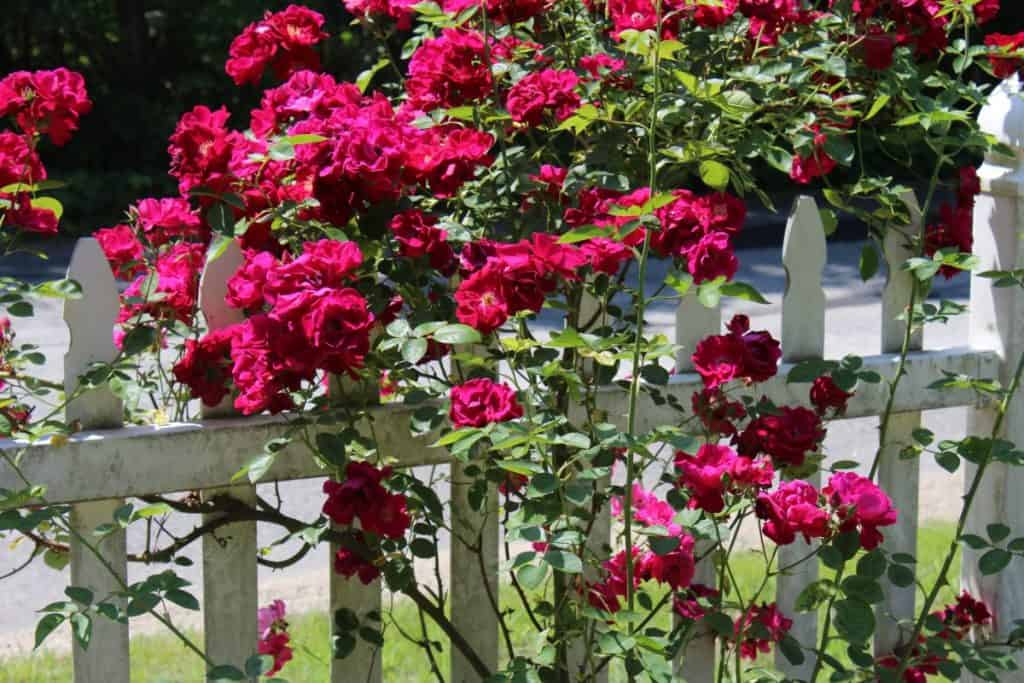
pixel 853 327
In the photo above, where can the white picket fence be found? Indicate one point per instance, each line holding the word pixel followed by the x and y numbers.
pixel 107 462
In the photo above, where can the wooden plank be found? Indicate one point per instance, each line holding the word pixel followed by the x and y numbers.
pixel 997 322
pixel 473 577
pixel 897 477
pixel 363 665
pixel 132 461
pixel 90 321
pixel 230 591
pixel 230 596
pixel 694 321
pixel 803 337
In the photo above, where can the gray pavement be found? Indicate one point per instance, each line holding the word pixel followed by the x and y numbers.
pixel 853 326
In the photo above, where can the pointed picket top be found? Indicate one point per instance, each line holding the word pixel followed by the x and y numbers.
pixel 213 287
pixel 804 254
pixel 896 249
pixel 90 320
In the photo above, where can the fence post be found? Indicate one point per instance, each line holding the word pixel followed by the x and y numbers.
pixel 897 477
pixel 694 321
pixel 90 321
pixel 473 562
pixel 804 254
pixel 230 591
pixel 997 322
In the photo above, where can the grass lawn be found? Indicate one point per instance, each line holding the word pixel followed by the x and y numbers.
pixel 162 658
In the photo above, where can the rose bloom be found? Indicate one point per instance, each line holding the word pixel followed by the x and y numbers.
pixel 787 437
pixel 1007 57
pixel 122 249
pixel 825 394
pixel 768 617
pixel 860 504
pixel 481 402
pixel 716 470
pixel 791 509
pixel 742 353
pixel 543 92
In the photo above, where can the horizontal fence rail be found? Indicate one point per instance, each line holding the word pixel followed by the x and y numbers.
pixel 135 460
pixel 98 468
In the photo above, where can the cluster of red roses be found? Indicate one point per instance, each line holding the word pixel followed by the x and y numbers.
pixel 361 497
pixel 39 103
pixel 849 502
pixel 1008 56
pixel 958 619
pixel 674 569
pixel 955 227
pixel 274 637
pixel 302 317
pixel 282 40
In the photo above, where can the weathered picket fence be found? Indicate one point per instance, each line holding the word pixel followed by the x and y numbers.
pixel 106 463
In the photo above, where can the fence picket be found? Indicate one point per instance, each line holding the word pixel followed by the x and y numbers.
pixel 230 588
pixel 598 541
pixel 899 478
pixel 363 665
pixel 90 320
pixel 694 321
pixel 804 254
pixel 474 579
pixel 997 322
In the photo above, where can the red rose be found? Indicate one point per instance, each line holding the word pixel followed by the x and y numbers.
pixel 122 250
pixel 481 402
pixel 825 394
pixel 1007 56
pixel 337 328
pixel 543 92
pixel 786 437
pixel 481 301
pixel 792 509
pixel 712 257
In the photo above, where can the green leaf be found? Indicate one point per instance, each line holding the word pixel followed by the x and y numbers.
pixel 994 561
pixel 218 246
pixel 82 595
pixel 81 629
pixel 855 620
pixel 877 106
pixel 585 232
pixel 742 290
pixel 900 575
pixel 829 221
pixel 714 174
pixel 46 626
pixel 530 576
pixel 224 672
pixel 48 204
pixel 868 261
pixel 563 561
pixel 457 334
pixel 138 339
pixel 20 309
pixel 863 588
pixel 182 599
pixel 257 665
pixel 809 370
pixel 413 350
pixel 282 150
pixel 790 649
pixel 997 532
pixel 306 138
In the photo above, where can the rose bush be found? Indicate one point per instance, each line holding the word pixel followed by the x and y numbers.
pixel 522 159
